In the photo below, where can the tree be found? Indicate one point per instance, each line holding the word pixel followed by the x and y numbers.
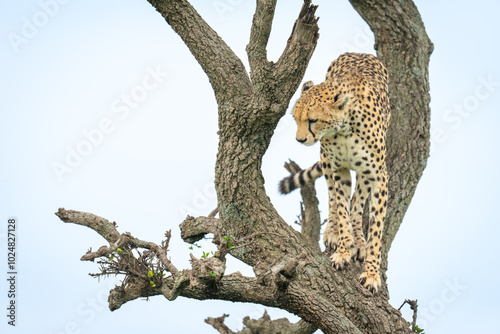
pixel 291 272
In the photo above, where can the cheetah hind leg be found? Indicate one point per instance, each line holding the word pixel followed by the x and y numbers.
pixel 357 218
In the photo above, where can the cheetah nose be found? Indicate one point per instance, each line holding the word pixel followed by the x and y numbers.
pixel 301 140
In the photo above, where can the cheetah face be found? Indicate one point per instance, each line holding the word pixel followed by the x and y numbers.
pixel 319 113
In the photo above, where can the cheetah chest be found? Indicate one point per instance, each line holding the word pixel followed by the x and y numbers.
pixel 348 151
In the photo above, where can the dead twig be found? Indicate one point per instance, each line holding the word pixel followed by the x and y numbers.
pixel 413 306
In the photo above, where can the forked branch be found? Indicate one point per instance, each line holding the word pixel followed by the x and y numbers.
pixel 224 69
pixel 148 271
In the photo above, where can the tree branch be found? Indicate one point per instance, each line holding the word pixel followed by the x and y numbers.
pixel 264 325
pixel 291 66
pixel 218 324
pixel 194 229
pixel 413 305
pixel 197 283
pixel 310 220
pixel 102 226
pixel 259 36
pixel 224 69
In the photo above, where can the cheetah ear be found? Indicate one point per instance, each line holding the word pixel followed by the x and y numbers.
pixel 306 86
pixel 341 104
pixel 338 103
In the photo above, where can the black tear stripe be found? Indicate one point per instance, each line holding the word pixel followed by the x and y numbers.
pixel 314 136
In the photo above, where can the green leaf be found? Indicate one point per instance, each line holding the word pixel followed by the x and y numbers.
pixel 119 250
pixel 418 329
pixel 150 273
pixel 230 245
pixel 152 284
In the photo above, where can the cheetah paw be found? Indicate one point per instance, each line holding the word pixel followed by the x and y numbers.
pixel 331 240
pixel 370 281
pixel 341 258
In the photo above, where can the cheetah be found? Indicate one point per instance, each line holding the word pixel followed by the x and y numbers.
pixel 349 114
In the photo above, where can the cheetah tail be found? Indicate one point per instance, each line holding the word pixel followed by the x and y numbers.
pixel 297 180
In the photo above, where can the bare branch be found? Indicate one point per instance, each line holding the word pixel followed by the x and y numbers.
pixel 213 213
pixel 102 226
pixel 218 324
pixel 413 306
pixel 259 36
pixel 144 272
pixel 299 49
pixel 194 229
pixel 310 221
pixel 264 325
pixel 224 69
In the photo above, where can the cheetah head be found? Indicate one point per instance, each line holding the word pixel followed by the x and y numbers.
pixel 320 112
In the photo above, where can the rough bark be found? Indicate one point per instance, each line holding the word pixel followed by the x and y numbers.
pixel 264 325
pixel 290 273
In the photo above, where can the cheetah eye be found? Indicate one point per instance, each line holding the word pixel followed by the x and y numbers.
pixel 312 121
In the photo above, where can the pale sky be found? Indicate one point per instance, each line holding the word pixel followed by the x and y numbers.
pixel 102 105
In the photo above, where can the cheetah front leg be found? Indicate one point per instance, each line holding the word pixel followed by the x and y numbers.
pixel 342 195
pixel 370 278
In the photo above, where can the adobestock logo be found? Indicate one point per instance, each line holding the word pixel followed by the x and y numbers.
pixel 222 7
pixel 93 307
pixel 30 26
pixel 362 40
pixel 449 294
pixel 120 108
pixel 203 201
